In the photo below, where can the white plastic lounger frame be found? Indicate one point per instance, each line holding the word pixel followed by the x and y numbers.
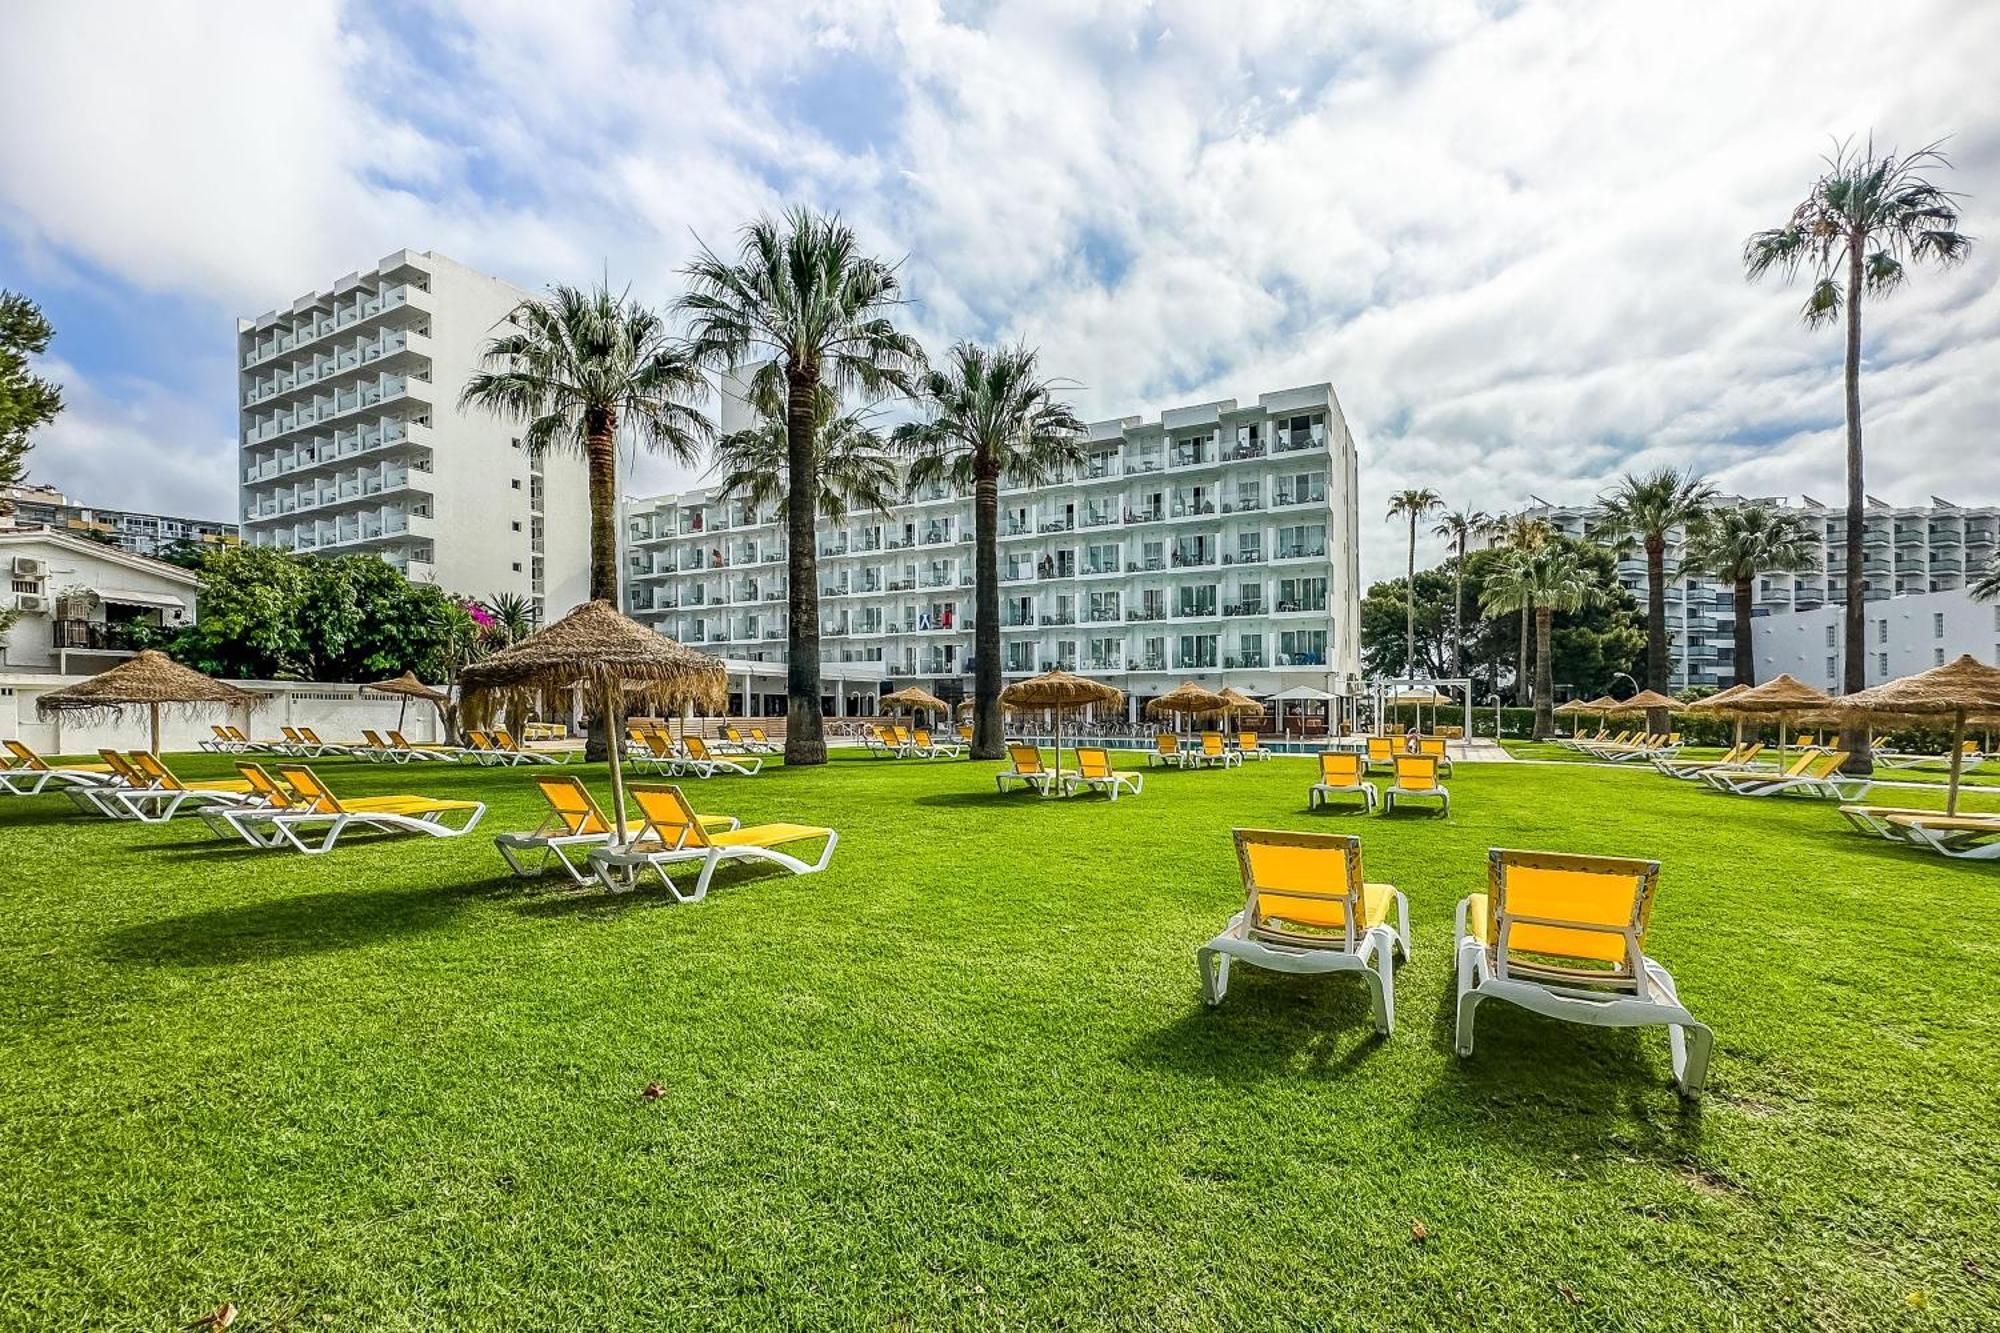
pixel 1820 780
pixel 1308 912
pixel 704 762
pixel 1417 777
pixel 1028 771
pixel 574 821
pixel 1961 837
pixel 1342 773
pixel 673 835
pixel 1545 913
pixel 319 808
pixel 1096 773
pixel 28 774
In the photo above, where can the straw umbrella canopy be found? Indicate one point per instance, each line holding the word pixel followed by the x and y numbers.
pixel 1645 701
pixel 1718 702
pixel 614 658
pixel 1960 690
pixel 1057 690
pixel 1187 698
pixel 1783 697
pixel 148 680
pixel 1241 704
pixel 916 699
pixel 407 687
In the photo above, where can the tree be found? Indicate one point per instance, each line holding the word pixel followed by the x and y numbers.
pixel 577 367
pixel 1987 589
pixel 1549 579
pixel 852 460
pixel 26 401
pixel 1647 508
pixel 511 618
pixel 802 294
pixel 1459 527
pixel 1861 223
pixel 989 415
pixel 1519 532
pixel 1737 544
pixel 1413 504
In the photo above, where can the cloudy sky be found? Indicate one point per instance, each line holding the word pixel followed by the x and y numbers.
pixel 1508 233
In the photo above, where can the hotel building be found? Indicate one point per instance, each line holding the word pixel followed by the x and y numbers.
pixel 140 533
pixel 1907 550
pixel 1215 543
pixel 353 440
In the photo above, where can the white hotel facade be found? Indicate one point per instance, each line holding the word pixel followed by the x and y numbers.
pixel 353 440
pixel 1216 543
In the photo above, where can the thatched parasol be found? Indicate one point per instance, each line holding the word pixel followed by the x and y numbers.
pixel 1241 704
pixel 916 699
pixel 615 659
pixel 1058 690
pixel 407 687
pixel 1966 688
pixel 1715 703
pixel 1186 698
pixel 1783 697
pixel 1645 701
pixel 147 681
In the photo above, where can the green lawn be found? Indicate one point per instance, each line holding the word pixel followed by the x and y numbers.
pixel 965 1079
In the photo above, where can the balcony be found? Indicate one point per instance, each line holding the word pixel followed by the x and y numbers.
pixel 1243 609
pixel 1315 551
pixel 366 311
pixel 1145 515
pixel 1145 614
pixel 1244 662
pixel 366 396
pixel 393 349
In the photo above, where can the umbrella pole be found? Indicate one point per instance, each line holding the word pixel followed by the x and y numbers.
pixel 1957 761
pixel 154 710
pixel 402 710
pixel 614 751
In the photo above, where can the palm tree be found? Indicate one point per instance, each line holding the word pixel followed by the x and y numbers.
pixel 855 467
pixel 1739 543
pixel 1988 587
pixel 578 367
pixel 1459 527
pixel 1412 504
pixel 802 298
pixel 1546 579
pixel 513 619
pixel 1860 223
pixel 1648 507
pixel 989 415
pixel 1518 532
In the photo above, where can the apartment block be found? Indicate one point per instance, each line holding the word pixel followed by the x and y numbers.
pixel 1215 543
pixel 353 440
pixel 1904 635
pixel 1908 550
pixel 128 530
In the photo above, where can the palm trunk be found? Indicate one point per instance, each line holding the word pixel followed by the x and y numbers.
pixel 988 731
pixel 1521 666
pixel 805 731
pixel 600 453
pixel 1545 674
pixel 1746 659
pixel 1410 605
pixel 1458 615
pixel 1656 626
pixel 1854 674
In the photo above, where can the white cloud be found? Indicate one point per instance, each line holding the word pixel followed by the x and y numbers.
pixel 1508 234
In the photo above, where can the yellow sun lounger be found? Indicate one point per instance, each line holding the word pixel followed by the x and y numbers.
pixel 703 762
pixel 1095 771
pixel 574 820
pixel 1564 937
pixel 1166 752
pixel 1030 772
pixel 316 807
pixel 1963 837
pixel 672 834
pixel 1342 773
pixel 1817 775
pixel 1417 776
pixel 1310 911
pixel 163 795
pixel 1250 746
pixel 26 773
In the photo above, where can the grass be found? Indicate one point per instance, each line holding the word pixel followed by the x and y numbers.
pixel 964 1078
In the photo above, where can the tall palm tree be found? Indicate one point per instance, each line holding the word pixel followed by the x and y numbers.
pixel 855 467
pixel 1459 527
pixel 1546 579
pixel 578 367
pixel 989 414
pixel 1862 221
pixel 1414 504
pixel 1648 508
pixel 802 298
pixel 1737 544
pixel 1519 532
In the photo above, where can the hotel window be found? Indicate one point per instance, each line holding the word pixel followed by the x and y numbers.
pixel 1831 674
pixel 1937 624
pixel 1937 657
pixel 1882 664
pixel 1829 636
pixel 1882 631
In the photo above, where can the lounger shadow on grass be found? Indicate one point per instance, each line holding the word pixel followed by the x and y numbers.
pixel 1268 1023
pixel 289 927
pixel 554 898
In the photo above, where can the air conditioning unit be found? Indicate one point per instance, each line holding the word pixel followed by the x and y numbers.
pixel 28 567
pixel 31 601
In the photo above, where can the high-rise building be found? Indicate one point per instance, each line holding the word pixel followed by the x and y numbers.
pixel 1907 550
pixel 1216 543
pixel 353 439
pixel 129 530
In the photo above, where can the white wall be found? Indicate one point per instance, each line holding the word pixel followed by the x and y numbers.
pixel 1905 635
pixel 76 563
pixel 336 712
